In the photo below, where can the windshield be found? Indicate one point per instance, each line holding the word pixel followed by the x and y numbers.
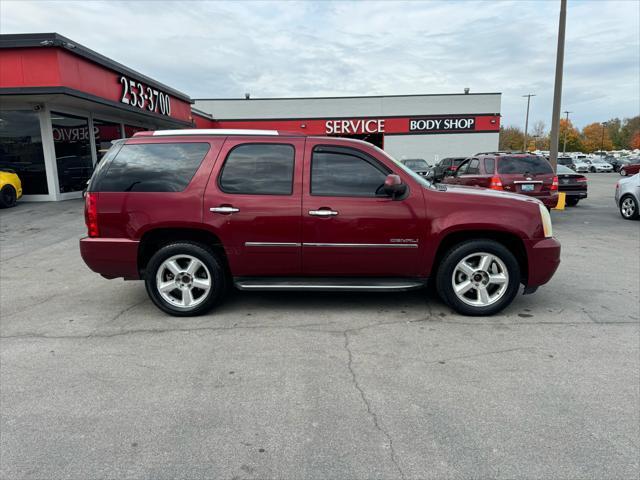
pixel 515 165
pixel 416 164
pixel 418 178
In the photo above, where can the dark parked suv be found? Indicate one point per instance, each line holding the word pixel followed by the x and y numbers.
pixel 193 212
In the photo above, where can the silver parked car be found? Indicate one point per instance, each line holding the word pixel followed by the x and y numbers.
pixel 628 197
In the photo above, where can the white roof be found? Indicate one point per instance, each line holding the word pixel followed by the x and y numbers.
pixel 213 131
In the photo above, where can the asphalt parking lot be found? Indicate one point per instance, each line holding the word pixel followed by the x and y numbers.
pixel 95 382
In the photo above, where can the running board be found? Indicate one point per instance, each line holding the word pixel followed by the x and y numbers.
pixel 324 284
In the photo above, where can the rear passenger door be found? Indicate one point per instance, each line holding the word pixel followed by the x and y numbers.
pixel 253 204
pixel 469 172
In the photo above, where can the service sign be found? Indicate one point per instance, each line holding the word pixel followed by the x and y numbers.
pixel 354 127
pixel 139 95
pixel 442 124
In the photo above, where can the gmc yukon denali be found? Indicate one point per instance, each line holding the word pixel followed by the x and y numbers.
pixel 194 212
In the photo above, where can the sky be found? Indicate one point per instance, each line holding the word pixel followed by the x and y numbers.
pixel 292 49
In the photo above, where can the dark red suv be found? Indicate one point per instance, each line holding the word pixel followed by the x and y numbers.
pixel 192 212
pixel 518 173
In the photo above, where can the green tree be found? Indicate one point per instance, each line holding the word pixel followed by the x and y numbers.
pixel 614 126
pixel 629 127
pixel 511 138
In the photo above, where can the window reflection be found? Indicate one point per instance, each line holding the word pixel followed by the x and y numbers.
pixel 105 133
pixel 73 151
pixel 21 149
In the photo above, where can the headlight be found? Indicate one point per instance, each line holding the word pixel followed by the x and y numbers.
pixel 545 216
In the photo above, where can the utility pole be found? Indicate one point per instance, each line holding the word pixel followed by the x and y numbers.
pixel 564 147
pixel 557 90
pixel 526 121
pixel 604 125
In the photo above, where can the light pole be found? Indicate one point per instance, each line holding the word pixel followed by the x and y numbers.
pixel 526 120
pixel 566 129
pixel 604 125
pixel 557 88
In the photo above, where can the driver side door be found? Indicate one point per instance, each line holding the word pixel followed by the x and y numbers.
pixel 351 228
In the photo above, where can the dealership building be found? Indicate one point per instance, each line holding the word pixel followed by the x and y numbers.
pixel 62 104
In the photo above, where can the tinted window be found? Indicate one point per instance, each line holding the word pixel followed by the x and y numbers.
pixel 474 167
pixel 157 167
pixel 458 161
pixel 416 164
pixel 446 162
pixel 535 165
pixel 489 165
pixel 340 174
pixel 563 169
pixel 259 169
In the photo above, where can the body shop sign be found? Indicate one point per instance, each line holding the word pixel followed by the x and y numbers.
pixel 443 124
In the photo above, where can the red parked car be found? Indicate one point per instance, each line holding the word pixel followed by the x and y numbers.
pixel 630 169
pixel 192 212
pixel 526 174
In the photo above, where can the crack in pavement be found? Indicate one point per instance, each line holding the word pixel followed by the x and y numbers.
pixel 367 403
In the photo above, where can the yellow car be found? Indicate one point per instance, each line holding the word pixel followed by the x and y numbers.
pixel 10 188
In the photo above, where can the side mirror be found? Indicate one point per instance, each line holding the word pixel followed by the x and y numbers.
pixel 394 187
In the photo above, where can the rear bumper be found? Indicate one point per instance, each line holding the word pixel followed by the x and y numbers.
pixel 543 258
pixel 111 257
pixel 575 193
pixel 549 201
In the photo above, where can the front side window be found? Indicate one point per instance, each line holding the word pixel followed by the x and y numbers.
pixel 259 169
pixel 462 169
pixel 338 174
pixel 150 167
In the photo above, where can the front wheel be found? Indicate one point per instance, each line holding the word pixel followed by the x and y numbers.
pixel 185 279
pixel 7 196
pixel 629 207
pixel 592 170
pixel 623 172
pixel 478 277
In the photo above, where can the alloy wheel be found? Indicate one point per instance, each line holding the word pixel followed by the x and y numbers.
pixel 183 281
pixel 628 207
pixel 480 279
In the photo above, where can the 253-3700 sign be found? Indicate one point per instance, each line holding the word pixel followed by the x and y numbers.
pixel 138 95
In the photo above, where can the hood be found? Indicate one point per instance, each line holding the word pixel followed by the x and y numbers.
pixel 487 193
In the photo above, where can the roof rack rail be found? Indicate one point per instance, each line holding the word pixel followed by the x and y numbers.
pixel 206 131
pixel 504 152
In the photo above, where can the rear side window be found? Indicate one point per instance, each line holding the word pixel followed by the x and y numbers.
pixel 489 165
pixel 342 175
pixel 535 165
pixel 259 169
pixel 150 167
pixel 474 167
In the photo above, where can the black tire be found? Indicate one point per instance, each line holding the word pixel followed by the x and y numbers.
pixel 456 254
pixel 635 213
pixel 592 170
pixel 216 271
pixel 623 172
pixel 572 202
pixel 7 196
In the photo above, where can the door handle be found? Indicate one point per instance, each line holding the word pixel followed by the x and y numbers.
pixel 323 213
pixel 224 209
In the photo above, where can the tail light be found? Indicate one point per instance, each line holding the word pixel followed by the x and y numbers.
pixel 554 185
pixel 581 179
pixel 496 183
pixel 91 214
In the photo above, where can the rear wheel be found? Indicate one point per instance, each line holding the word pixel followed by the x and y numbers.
pixel 572 202
pixel 185 279
pixel 478 277
pixel 629 207
pixel 7 196
pixel 592 169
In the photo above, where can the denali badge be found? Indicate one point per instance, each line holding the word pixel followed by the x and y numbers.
pixel 403 240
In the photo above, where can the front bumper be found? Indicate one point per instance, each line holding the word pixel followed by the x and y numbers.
pixel 111 257
pixel 543 259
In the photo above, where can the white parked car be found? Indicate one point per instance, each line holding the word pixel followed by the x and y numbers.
pixel 582 164
pixel 599 165
pixel 628 197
